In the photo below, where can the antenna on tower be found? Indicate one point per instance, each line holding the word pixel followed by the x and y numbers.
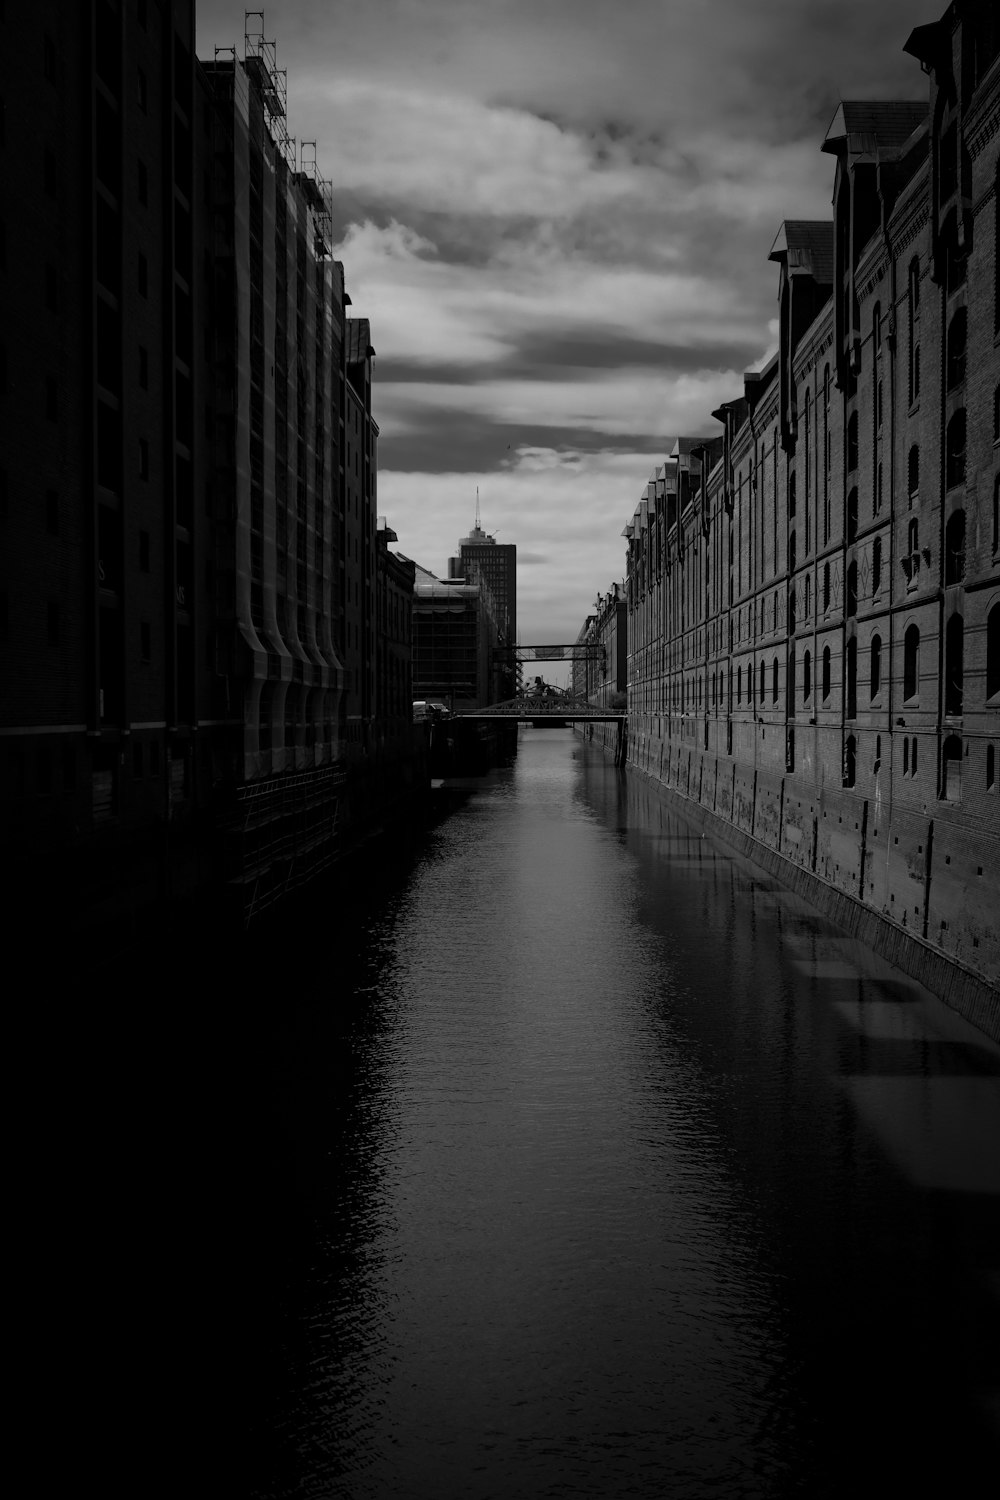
pixel 477 508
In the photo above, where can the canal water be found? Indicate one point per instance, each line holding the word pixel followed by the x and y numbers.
pixel 590 1162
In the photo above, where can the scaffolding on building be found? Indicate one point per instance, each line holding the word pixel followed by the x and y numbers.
pixel 319 191
pixel 260 59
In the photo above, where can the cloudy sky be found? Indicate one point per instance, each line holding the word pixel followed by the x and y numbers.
pixel 557 215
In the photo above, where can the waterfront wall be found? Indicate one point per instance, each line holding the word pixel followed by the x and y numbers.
pixel 919 891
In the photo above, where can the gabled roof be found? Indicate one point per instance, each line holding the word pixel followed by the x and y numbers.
pixel 870 125
pixel 805 245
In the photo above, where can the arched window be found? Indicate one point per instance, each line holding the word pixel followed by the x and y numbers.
pixel 913 475
pixel 876 566
pixel 852 678
pixel 791 497
pixel 956 348
pixel 955 450
pixel 951 769
pixel 806 677
pixel 826 587
pixel 739 685
pixel 852 514
pixel 792 552
pixel 877 497
pixel 850 760
pixel 826 673
pixel 774 680
pixel 954 547
pixel 807 596
pixel 911 662
pixel 760 688
pixel 852 590
pixel 993 652
pixel 791 681
pixel 954 665
pixel 852 442
pixel 875 668
pixel 792 621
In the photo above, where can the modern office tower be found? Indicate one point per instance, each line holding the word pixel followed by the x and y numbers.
pixel 497 563
pixel 100 620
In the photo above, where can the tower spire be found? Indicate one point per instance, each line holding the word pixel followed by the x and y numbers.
pixel 477 508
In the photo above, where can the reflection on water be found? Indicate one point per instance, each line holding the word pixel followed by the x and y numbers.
pixel 619 1171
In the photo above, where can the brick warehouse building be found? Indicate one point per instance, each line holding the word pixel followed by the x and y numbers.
pixel 814 598
pixel 187 607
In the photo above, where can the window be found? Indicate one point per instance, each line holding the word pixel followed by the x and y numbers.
pixel 955 450
pixel 954 665
pixel 876 566
pixel 911 663
pixel 850 760
pixel 877 497
pixel 791 497
pixel 807 602
pixel 913 475
pixel 875 667
pixel 774 680
pixel 852 590
pixel 956 349
pixel 991 769
pixel 792 553
pixel 951 769
pixel 913 314
pixel 826 587
pixel 877 328
pixel 761 685
pixel 852 677
pixel 954 548
pixel 993 652
pixel 852 514
pixel 852 442
pixel 826 673
pixel 806 677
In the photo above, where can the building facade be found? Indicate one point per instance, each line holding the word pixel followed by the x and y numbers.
pixel 814 598
pixel 455 640
pixel 188 602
